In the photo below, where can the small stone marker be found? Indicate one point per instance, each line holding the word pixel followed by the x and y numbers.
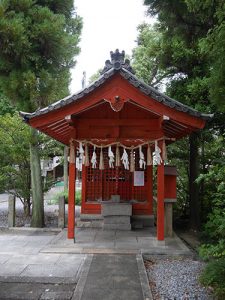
pixel 61 217
pixel 115 198
pixel 11 210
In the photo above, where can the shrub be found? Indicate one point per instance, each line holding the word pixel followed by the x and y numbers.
pixel 214 276
pixel 213 249
pixel 55 200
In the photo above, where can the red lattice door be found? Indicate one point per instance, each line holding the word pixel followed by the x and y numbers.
pixel 102 184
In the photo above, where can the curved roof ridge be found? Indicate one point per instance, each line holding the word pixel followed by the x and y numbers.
pixel 132 79
pixel 161 97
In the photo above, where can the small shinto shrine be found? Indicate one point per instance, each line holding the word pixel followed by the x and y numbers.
pixel 117 128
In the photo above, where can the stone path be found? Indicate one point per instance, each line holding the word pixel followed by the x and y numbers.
pixel 43 264
pixel 113 277
pixel 96 241
pixel 26 273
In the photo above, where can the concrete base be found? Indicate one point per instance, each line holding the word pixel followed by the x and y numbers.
pixel 168 219
pixel 116 209
pixel 116 216
pixel 116 226
pixel 90 217
pixel 160 243
pixel 117 220
pixel 137 222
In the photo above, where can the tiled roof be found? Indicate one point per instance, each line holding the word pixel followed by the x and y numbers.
pixel 125 70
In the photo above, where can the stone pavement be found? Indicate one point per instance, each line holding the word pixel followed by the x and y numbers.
pixel 26 273
pixel 44 264
pixel 95 241
pixel 113 277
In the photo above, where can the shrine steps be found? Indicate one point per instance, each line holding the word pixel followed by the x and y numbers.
pixel 96 221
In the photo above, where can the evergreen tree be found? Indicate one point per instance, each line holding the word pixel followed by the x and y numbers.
pixel 186 71
pixel 38 42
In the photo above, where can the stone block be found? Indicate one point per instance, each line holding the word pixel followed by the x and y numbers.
pixel 146 220
pixel 61 217
pixel 56 295
pixel 117 220
pixel 115 198
pixel 137 225
pixel 87 217
pixel 116 209
pixel 168 220
pixel 117 226
pixel 11 210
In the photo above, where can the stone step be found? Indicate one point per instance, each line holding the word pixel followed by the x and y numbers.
pixel 116 220
pixel 137 225
pixel 117 226
pixel 116 209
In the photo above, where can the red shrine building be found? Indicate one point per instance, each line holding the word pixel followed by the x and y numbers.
pixel 117 129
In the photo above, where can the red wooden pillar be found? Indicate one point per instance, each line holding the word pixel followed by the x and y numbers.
pixel 160 198
pixel 72 191
pixel 150 189
pixel 83 192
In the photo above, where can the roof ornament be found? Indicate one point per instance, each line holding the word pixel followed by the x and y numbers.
pixel 83 82
pixel 117 62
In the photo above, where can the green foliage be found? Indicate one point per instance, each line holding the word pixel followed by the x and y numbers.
pixel 14 157
pixel 191 50
pixel 214 276
pixel 212 45
pixel 35 56
pixel 215 225
pixel 147 56
pixel 213 248
pixel 5 106
pixel 179 158
pixel 38 44
pixel 172 55
pixel 55 200
pixel 95 76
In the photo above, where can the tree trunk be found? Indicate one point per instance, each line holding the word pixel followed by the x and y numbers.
pixel 36 182
pixel 65 168
pixel 193 186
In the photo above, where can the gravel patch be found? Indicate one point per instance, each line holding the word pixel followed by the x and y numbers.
pixel 176 278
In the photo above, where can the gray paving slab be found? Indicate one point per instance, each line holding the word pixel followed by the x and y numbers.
pixel 121 245
pixel 17 291
pixel 111 294
pixel 71 258
pixel 98 245
pixel 57 295
pixel 111 277
pixel 129 239
pixel 63 250
pixel 39 256
pixel 11 269
pixel 34 259
pixel 34 291
pixel 62 270
pixel 4 258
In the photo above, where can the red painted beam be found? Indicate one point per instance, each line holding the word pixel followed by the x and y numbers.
pixel 152 123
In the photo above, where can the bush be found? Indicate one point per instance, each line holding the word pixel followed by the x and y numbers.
pixel 214 276
pixel 213 249
pixel 55 200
